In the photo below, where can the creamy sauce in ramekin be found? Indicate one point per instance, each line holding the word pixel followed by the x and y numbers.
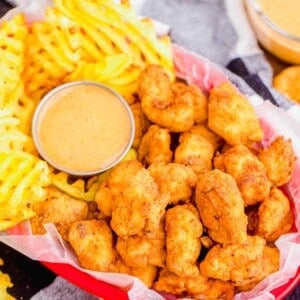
pixel 284 14
pixel 83 128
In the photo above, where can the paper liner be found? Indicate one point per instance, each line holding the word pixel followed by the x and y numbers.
pixel 197 70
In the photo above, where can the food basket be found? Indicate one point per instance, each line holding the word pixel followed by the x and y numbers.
pixel 51 250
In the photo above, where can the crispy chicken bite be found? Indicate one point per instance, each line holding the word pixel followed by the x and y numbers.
pixel 205 132
pixel 249 173
pixel 231 116
pixel 155 146
pixel 196 287
pixel 194 151
pixel 183 231
pixel 279 160
pixel 274 216
pixel 242 263
pixel 141 123
pixel 176 180
pixel 140 251
pixel 170 106
pixel 269 265
pixel 200 101
pixel 221 207
pixel 59 209
pixel 104 200
pixel 137 204
pixel 92 241
pixel 146 274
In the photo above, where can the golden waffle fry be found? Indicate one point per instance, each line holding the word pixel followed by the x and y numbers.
pixel 287 82
pixel 115 28
pixel 12 48
pixel 11 137
pixel 117 71
pixel 54 52
pixel 23 177
pixel 77 189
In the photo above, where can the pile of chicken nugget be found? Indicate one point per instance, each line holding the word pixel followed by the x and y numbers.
pixel 196 214
pixel 195 208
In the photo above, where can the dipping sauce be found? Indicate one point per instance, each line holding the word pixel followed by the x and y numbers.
pixel 283 13
pixel 277 27
pixel 83 127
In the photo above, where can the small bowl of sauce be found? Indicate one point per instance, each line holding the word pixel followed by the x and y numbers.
pixel 83 128
pixel 277 27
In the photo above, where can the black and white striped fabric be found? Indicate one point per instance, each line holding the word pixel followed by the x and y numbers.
pixel 216 29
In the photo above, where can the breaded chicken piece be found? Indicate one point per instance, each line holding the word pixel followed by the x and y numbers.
pixel 183 232
pixel 104 200
pixel 140 251
pixel 194 151
pixel 137 204
pixel 269 265
pixel 146 274
pixel 141 123
pixel 205 132
pixel 241 263
pixel 155 146
pixel 221 207
pixel 249 173
pixel 198 287
pixel 169 108
pixel 279 160
pixel 200 100
pixel 59 209
pixel 176 180
pixel 274 216
pixel 231 116
pixel 92 241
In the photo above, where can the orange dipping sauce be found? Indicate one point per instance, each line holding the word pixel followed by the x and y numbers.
pixel 83 128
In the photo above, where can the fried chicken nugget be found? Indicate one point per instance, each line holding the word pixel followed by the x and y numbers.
pixel 194 151
pixel 199 99
pixel 146 274
pixel 221 207
pixel 231 116
pixel 155 146
pixel 183 230
pixel 137 204
pixel 176 180
pixel 242 263
pixel 274 216
pixel 104 200
pixel 279 160
pixel 249 173
pixel 169 108
pixel 141 123
pixel 140 251
pixel 269 265
pixel 197 287
pixel 92 241
pixel 59 209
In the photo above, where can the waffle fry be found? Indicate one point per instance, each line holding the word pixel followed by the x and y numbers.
pixel 23 177
pixel 12 48
pixel 77 189
pixel 11 136
pixel 111 28
pixel 54 52
pixel 117 71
